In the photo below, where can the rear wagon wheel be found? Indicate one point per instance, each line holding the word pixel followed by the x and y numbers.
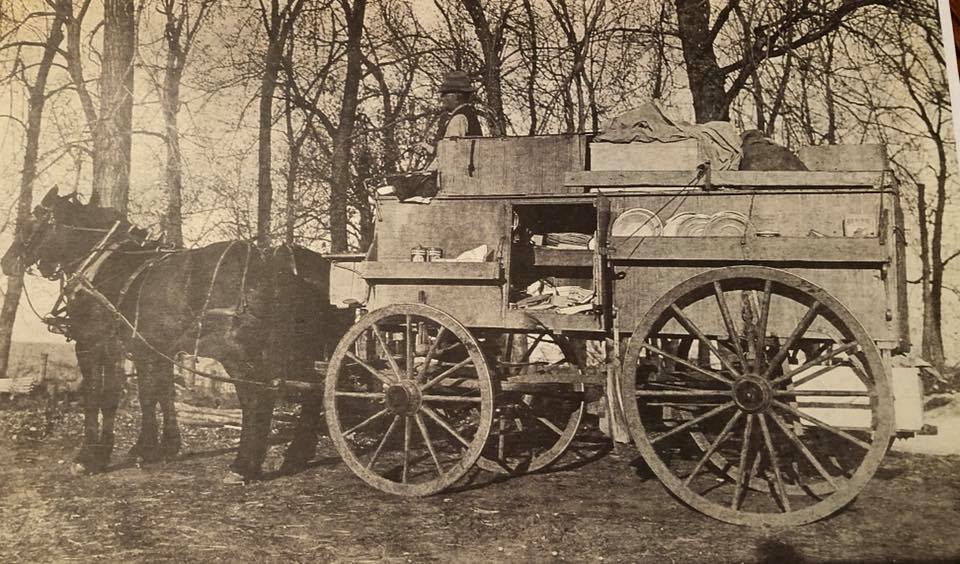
pixel 750 426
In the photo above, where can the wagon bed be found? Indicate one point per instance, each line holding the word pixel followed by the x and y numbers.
pixel 751 359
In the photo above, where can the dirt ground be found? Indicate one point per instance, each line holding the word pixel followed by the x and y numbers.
pixel 604 510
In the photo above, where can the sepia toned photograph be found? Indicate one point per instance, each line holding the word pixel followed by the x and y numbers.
pixel 479 281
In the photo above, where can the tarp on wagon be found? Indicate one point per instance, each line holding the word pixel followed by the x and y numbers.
pixel 719 140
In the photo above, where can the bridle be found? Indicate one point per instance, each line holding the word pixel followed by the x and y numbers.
pixel 46 217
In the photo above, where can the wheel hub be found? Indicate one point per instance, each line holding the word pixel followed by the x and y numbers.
pixel 403 398
pixel 752 393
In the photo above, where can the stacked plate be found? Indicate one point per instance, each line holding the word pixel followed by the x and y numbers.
pixel 727 224
pixel 637 222
pixel 686 224
pixel 640 222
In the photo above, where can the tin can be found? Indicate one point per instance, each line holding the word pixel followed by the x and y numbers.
pixel 418 254
pixel 434 253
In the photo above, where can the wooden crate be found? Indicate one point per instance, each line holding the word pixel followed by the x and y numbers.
pixel 509 165
pixel 836 158
pixel 678 155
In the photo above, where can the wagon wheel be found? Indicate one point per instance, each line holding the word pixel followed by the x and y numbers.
pixel 783 389
pixel 534 422
pixel 409 399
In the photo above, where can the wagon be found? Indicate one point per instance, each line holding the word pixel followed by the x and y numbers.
pixel 743 326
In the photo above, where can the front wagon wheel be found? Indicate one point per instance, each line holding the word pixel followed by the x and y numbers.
pixel 409 399
pixel 756 397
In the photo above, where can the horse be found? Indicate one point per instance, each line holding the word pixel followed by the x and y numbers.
pixel 263 313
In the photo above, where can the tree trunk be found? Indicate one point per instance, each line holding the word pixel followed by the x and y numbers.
pixel 111 155
pixel 342 150
pixel 491 43
pixel 706 78
pixel 11 300
pixel 268 85
pixel 172 221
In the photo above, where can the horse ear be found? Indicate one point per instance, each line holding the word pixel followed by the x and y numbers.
pixel 94 200
pixel 51 197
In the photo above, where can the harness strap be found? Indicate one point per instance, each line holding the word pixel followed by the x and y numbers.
pixel 87 286
pixel 206 302
pixel 144 266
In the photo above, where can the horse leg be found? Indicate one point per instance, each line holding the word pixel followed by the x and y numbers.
pixel 257 405
pixel 303 447
pixel 90 388
pixel 170 441
pixel 146 449
pixel 113 380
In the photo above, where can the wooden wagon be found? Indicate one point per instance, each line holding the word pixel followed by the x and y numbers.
pixel 744 322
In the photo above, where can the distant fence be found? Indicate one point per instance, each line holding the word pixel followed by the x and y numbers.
pixel 51 375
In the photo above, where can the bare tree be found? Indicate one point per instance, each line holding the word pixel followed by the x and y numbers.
pixel 354 14
pixel 799 23
pixel 492 37
pixel 112 140
pixel 37 92
pixel 278 24
pixel 181 26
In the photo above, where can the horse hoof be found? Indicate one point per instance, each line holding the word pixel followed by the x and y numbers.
pixel 234 479
pixel 291 466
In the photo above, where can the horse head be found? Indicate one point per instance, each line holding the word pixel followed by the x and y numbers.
pixel 59 234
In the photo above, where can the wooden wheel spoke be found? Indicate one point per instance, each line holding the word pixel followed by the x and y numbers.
pixel 803 449
pixel 728 322
pixel 455 399
pixel 426 440
pixel 793 392
pixel 406 449
pixel 686 363
pixel 690 326
pixel 682 393
pixel 386 351
pixel 409 348
pixel 531 347
pixel 743 479
pixel 764 302
pixel 446 426
pixel 365 422
pixel 822 425
pixel 376 373
pixel 713 446
pixel 775 463
pixel 692 422
pixel 798 332
pixel 366 395
pixel 550 425
pixel 446 373
pixel 383 441
pixel 430 352
pixel 819 359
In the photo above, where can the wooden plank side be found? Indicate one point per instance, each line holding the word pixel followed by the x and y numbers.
pixel 453 225
pixel 471 304
pixel 763 179
pixel 509 165
pixel 677 155
pixel 749 249
pixel 859 290
pixel 430 270
pixel 792 214
pixel 844 157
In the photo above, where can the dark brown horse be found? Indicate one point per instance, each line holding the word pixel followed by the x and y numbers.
pixel 263 313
